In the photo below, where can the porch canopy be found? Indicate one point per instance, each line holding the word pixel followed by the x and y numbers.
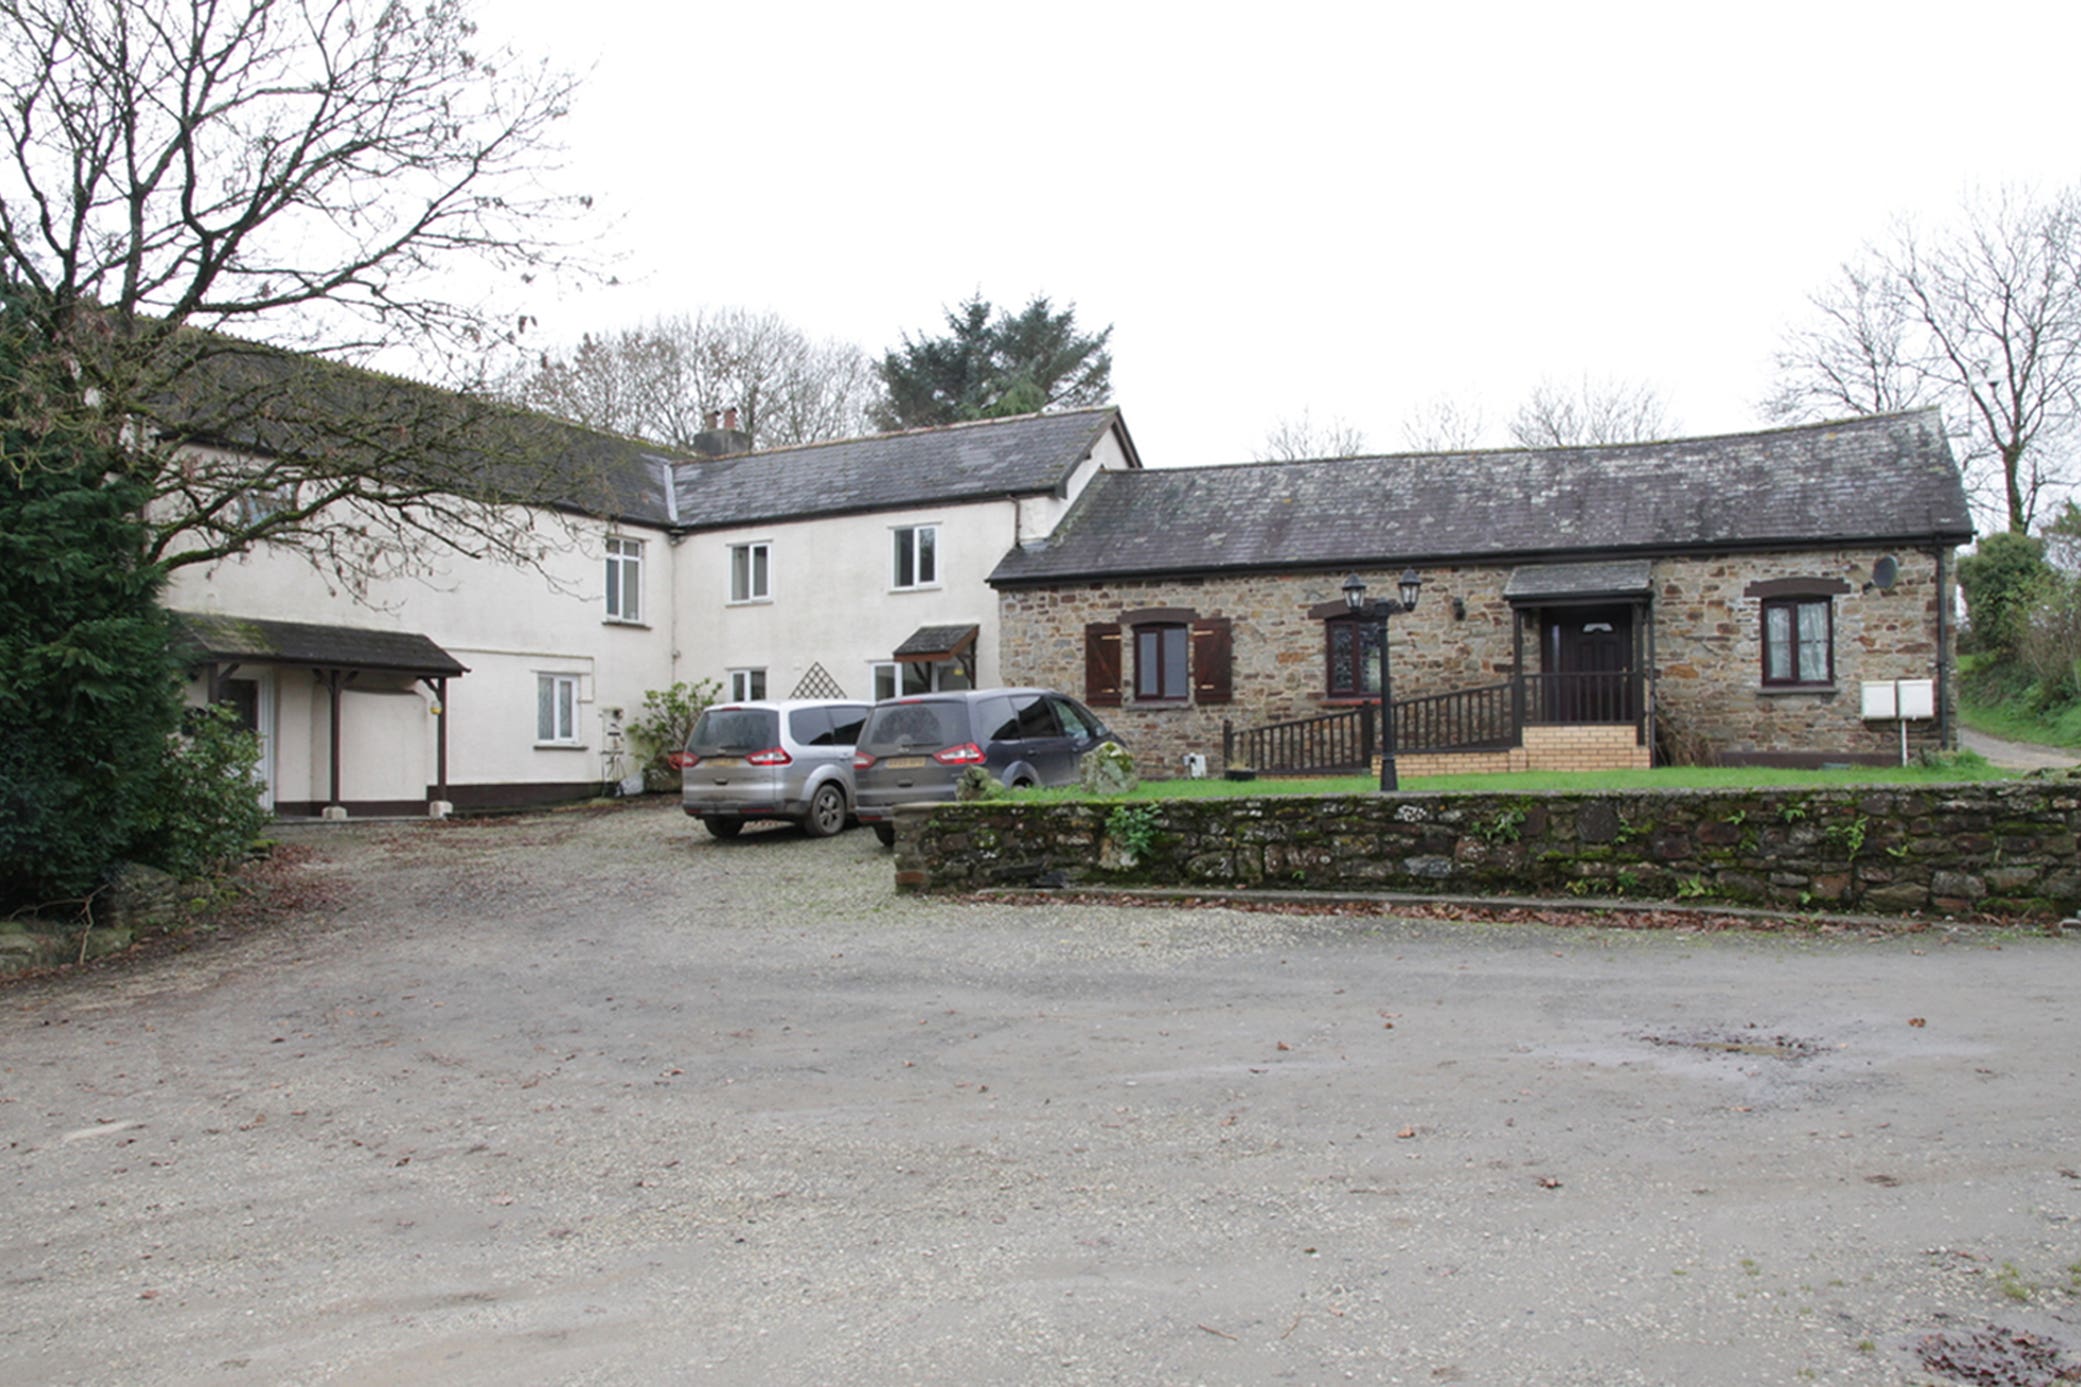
pixel 336 654
pixel 1549 584
pixel 930 645
pixel 927 648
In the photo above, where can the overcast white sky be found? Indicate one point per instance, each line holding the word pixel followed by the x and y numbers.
pixel 1347 208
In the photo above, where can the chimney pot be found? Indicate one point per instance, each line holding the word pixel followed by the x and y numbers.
pixel 730 417
pixel 708 420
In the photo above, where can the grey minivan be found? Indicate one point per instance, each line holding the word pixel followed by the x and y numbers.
pixel 916 748
pixel 789 759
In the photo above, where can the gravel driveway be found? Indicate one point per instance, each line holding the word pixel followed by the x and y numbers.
pixel 589 1098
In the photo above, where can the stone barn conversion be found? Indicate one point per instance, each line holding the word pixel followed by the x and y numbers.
pixel 1710 600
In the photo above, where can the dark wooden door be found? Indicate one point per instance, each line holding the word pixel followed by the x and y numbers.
pixel 1590 652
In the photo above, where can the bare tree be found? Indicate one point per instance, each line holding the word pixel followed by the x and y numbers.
pixel 1443 424
pixel 182 178
pixel 1296 439
pixel 1592 412
pixel 662 380
pixel 1983 318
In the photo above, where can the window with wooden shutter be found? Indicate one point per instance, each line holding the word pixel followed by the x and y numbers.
pixel 1102 664
pixel 1212 659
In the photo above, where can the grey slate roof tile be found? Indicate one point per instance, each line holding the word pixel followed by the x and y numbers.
pixel 249 640
pixel 1885 477
pixel 1028 455
pixel 1614 578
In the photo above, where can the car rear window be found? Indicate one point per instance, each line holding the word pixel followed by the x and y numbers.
pixel 915 727
pixel 734 731
pixel 833 724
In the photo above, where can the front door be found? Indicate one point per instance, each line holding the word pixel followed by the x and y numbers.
pixel 1589 658
pixel 252 698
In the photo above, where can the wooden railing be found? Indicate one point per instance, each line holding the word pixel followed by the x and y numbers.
pixel 1489 718
pixel 1333 742
pixel 1482 719
pixel 1582 698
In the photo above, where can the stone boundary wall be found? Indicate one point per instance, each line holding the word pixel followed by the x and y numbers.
pixel 2004 847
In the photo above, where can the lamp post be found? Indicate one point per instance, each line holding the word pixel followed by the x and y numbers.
pixel 1410 588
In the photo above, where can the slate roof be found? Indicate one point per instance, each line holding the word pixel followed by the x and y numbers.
pixel 938 642
pixel 259 398
pixel 1031 454
pixel 1888 478
pixel 248 640
pixel 1614 578
pixel 328 414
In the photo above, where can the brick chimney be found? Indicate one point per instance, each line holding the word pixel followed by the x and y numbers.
pixel 721 442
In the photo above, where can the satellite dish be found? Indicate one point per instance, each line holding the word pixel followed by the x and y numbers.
pixel 1885 573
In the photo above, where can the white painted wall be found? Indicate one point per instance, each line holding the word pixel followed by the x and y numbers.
pixel 833 603
pixel 506 623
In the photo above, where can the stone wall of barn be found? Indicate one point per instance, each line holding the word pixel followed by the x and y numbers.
pixel 1706 653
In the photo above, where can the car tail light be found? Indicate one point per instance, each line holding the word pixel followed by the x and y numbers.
pixel 682 760
pixel 966 754
pixel 862 760
pixel 771 756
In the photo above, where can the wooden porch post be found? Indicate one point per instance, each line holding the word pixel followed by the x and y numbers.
pixel 1645 675
pixel 441 740
pixel 332 690
pixel 1517 676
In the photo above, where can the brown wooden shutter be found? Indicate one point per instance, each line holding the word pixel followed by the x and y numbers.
pixel 1102 664
pixel 1213 653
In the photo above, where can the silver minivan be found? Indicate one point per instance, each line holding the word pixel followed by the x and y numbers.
pixel 788 759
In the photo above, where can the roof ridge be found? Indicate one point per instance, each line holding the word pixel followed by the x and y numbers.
pixel 1553 449
pixel 921 430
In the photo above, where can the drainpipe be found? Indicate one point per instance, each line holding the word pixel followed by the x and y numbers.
pixel 1943 654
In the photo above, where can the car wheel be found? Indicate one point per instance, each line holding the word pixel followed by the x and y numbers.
pixel 887 834
pixel 722 828
pixel 1022 783
pixel 826 812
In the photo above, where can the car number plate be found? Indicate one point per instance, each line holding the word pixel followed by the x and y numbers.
pixel 906 763
pixel 722 762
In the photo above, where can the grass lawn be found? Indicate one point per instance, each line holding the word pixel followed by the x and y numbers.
pixel 1963 766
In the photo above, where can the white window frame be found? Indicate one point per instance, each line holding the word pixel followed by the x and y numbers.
pixel 560 725
pixel 624 579
pixel 747 685
pixel 758 572
pixel 905 545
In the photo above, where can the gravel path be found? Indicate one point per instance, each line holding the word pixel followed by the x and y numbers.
pixel 2025 756
pixel 588 1098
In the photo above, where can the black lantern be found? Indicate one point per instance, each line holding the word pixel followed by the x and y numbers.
pixel 1409 588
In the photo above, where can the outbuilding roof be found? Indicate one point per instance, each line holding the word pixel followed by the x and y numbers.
pixel 250 640
pixel 1887 478
pixel 1030 454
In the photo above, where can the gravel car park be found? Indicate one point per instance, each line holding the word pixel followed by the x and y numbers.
pixel 574 1098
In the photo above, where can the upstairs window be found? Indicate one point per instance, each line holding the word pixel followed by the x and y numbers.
pixel 1798 640
pixel 624 579
pixel 917 557
pixel 751 572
